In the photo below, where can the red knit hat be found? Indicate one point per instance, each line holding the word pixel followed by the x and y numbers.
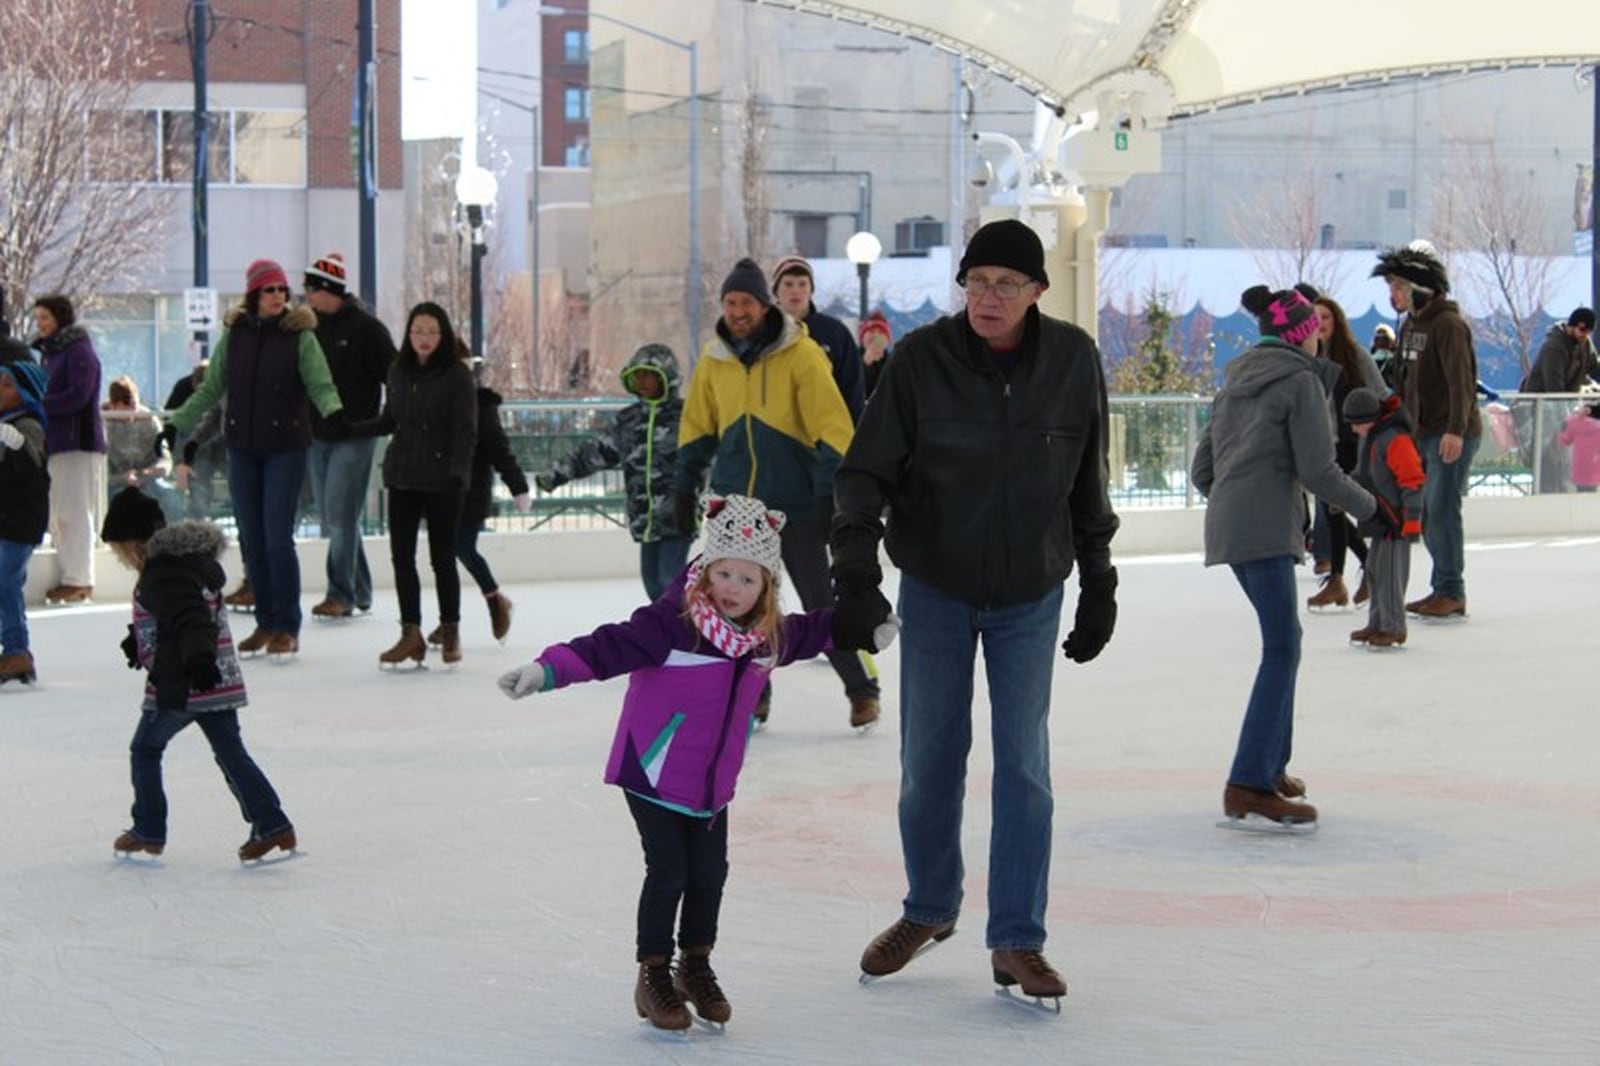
pixel 264 272
pixel 874 323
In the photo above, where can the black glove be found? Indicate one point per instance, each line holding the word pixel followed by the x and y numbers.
pixel 858 606
pixel 1096 617
pixel 336 425
pixel 685 508
pixel 825 515
pixel 202 673
pixel 190 450
pixel 130 648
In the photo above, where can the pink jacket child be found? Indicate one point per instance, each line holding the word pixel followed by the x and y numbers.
pixel 1582 435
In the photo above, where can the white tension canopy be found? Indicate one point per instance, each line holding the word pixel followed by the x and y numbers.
pixel 1179 57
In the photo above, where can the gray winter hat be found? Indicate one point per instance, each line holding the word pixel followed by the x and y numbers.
pixel 1362 405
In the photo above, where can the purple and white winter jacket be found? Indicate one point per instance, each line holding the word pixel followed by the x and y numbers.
pixel 686 718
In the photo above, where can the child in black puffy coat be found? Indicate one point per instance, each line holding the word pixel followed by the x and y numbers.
pixel 180 636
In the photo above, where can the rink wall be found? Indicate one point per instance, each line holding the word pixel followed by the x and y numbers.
pixel 582 555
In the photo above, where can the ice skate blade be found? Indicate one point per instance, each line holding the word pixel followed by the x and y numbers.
pixel 1042 1004
pixel 718 1028
pixel 667 1036
pixel 395 668
pixel 26 679
pixel 272 858
pixel 1255 823
pixel 874 978
pixel 136 858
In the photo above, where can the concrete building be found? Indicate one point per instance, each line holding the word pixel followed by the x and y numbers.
pixel 281 84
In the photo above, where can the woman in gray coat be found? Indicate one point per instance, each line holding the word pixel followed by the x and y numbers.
pixel 1267 439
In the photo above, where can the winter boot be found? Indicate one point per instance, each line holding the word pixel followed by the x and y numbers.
pixel 450 641
pixel 130 843
pixel 863 711
pixel 1332 593
pixel 1028 969
pixel 256 642
pixel 242 598
pixel 1239 801
pixel 899 944
pixel 258 847
pixel 409 646
pixel 499 614
pixel 655 998
pixel 697 983
pixel 18 666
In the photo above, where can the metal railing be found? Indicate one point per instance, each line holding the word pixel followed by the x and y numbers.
pixel 1152 440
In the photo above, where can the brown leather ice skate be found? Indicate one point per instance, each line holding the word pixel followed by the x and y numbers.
pixel 655 998
pixel 899 944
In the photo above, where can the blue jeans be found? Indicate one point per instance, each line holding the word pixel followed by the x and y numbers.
pixel 340 471
pixel 265 487
pixel 938 645
pixel 1441 514
pixel 660 562
pixel 257 801
pixel 14 557
pixel 1266 736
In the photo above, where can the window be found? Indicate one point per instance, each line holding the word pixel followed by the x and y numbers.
pixel 1397 199
pixel 577 105
pixel 575 46
pixel 917 234
pixel 811 236
pixel 578 153
pixel 242 147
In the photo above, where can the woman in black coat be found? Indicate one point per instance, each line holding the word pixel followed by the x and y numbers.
pixel 430 409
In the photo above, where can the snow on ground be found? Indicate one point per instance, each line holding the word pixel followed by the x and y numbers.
pixel 467 885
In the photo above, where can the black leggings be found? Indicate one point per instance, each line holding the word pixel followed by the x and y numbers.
pixel 407 509
pixel 685 858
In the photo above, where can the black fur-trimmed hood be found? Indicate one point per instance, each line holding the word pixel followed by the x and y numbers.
pixel 189 537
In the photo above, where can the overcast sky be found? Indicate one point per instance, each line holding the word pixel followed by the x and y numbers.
pixel 439 55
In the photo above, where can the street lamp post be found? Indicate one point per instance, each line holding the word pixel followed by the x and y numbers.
pixel 863 250
pixel 693 298
pixel 476 189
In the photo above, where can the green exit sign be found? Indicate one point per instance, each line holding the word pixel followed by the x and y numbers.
pixel 1120 141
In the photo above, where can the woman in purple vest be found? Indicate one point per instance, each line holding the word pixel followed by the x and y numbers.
pixel 270 370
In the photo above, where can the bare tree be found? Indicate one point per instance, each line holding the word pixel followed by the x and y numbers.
pixel 77 211
pixel 1280 219
pixel 753 179
pixel 1485 210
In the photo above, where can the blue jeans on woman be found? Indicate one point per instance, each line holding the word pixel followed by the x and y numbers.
pixel 265 487
pixel 340 473
pixel 1267 734
pixel 938 645
pixel 1441 514
pixel 257 801
pixel 14 557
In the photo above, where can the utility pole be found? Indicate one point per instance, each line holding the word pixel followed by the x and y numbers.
pixel 367 135
pixel 198 31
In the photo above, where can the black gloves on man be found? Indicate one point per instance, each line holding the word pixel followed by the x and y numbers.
pixel 1096 617
pixel 858 607
pixel 336 425
pixel 685 509
pixel 130 648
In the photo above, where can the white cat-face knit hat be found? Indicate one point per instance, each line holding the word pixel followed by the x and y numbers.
pixel 738 527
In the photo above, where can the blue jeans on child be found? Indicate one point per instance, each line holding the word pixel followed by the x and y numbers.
pixel 660 563
pixel 257 801
pixel 14 557
pixel 938 645
pixel 1266 736
pixel 340 473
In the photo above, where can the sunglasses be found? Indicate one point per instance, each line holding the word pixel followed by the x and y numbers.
pixel 284 289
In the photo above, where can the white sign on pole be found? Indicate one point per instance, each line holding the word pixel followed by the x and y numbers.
pixel 200 309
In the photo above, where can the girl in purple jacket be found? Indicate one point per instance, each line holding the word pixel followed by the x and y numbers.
pixel 698 658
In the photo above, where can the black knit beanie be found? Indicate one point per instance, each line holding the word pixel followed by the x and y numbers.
pixel 1005 243
pixel 746 277
pixel 131 516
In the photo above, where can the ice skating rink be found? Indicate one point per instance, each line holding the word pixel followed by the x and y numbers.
pixel 467 885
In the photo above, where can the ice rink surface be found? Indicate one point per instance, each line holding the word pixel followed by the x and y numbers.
pixel 466 888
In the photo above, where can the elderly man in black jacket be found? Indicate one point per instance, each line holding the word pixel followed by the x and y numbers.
pixel 986 444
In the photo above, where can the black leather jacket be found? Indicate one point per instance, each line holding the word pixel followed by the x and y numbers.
pixel 994 485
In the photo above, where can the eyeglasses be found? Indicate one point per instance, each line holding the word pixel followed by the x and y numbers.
pixel 283 289
pixel 977 288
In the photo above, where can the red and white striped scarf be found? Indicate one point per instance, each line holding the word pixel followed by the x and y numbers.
pixel 723 634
